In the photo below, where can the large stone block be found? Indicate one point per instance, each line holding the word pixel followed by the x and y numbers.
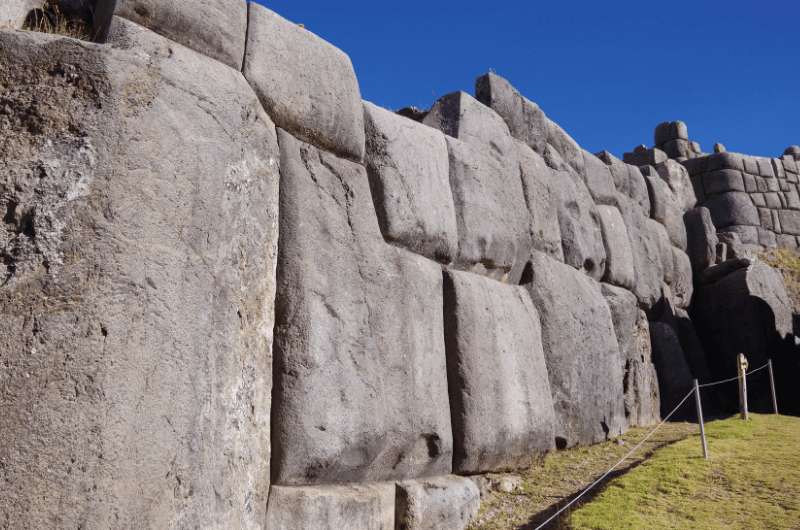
pixel 682 284
pixel 439 503
pixel 493 220
pixel 360 383
pixel 702 239
pixel 137 287
pixel 619 255
pixel 677 178
pixel 665 209
pixel 216 28
pixel 306 85
pixel 723 180
pixel 646 248
pixel 732 209
pixel 642 402
pixel 675 379
pixel 500 395
pixel 351 507
pixel 790 222
pixel 543 199
pixel 628 180
pixel 598 179
pixel 579 222
pixel 582 353
pixel 409 173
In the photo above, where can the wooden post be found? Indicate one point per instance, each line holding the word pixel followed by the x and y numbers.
pixel 700 418
pixel 772 388
pixel 741 366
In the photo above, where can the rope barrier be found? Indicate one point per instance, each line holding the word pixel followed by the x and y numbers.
pixel 640 444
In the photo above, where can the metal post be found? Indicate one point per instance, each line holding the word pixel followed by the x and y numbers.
pixel 772 388
pixel 700 418
pixel 741 367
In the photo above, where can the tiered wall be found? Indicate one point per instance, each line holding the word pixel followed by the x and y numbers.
pixel 452 295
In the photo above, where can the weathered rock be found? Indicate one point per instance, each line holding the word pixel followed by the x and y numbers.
pixel 493 220
pixel 640 383
pixel 645 244
pixel 543 199
pixel 702 239
pixel 677 178
pixel 139 256
pixel 351 507
pixel 579 221
pixel 645 157
pixel 790 222
pixel 215 28
pixel 793 151
pixel 361 385
pixel 723 180
pixel 306 85
pixel 582 354
pixel 675 378
pixel 440 503
pixel 598 179
pixel 628 180
pixel 14 12
pixel 658 233
pixel 619 255
pixel 732 209
pixel 719 148
pixel 408 168
pixel 500 395
pixel 665 209
pixel 676 130
pixel 682 284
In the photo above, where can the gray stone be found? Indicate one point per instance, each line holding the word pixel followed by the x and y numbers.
pixel 776 222
pixel 14 12
pixel 500 395
pixel 646 157
pixel 665 209
pixel 667 131
pixel 598 179
pixel 792 200
pixel 579 222
pixel 748 235
pixel 619 255
pixel 793 151
pixel 137 285
pixel 761 185
pixel 566 146
pixel 582 354
pixel 493 219
pixel 628 180
pixel 759 200
pixel 766 238
pixel 773 185
pixel 750 185
pixel 733 263
pixel 646 252
pixel 682 285
pixel 702 239
pixel 440 503
pixel 719 148
pixel 786 241
pixel 765 167
pixel 215 28
pixel 659 233
pixel 675 379
pixel 718 161
pixel 351 507
pixel 677 178
pixel 750 165
pixel 360 382
pixel 790 222
pixel 306 85
pixel 680 149
pixel 778 168
pixel 765 215
pixel 642 402
pixel 409 174
pixel 790 165
pixel 723 180
pixel 543 199
pixel 733 208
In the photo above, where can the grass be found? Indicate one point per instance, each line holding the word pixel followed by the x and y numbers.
pixel 50 19
pixel 751 481
pixel 787 261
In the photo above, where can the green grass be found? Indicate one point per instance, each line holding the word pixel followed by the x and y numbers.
pixel 752 481
pixel 787 261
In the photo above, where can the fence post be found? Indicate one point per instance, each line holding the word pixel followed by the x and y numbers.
pixel 772 388
pixel 741 367
pixel 700 418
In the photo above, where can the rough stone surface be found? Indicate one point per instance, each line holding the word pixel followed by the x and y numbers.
pixel 493 220
pixel 440 503
pixel 579 222
pixel 628 180
pixel 675 378
pixel 359 327
pixel 139 255
pixel 306 85
pixel 351 507
pixel 542 198
pixel 702 239
pixel 619 255
pixel 409 174
pixel 582 354
pixel 665 209
pixel 14 12
pixel 682 283
pixel 500 395
pixel 677 178
pixel 732 209
pixel 645 244
pixel 598 179
pixel 215 28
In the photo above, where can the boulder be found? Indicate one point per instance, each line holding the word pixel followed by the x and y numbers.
pixel 665 209
pixel 675 379
pixel 500 395
pixel 640 383
pixel 360 369
pixel 619 255
pixel 350 507
pixel 733 208
pixel 306 85
pixel 790 222
pixel 677 178
pixel 598 179
pixel 645 157
pixel 658 234
pixel 628 180
pixel 409 174
pixel 137 291
pixel 666 131
pixel 215 28
pixel 493 220
pixel 579 222
pixel 722 181
pixel 582 353
pixel 542 197
pixel 701 238
pixel 439 503
pixel 682 283
pixel 645 245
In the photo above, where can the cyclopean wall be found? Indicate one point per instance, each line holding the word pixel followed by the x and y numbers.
pixel 448 296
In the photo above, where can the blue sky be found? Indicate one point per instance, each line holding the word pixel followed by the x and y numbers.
pixel 608 72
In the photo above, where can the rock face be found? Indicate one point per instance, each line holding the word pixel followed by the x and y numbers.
pixel 215 28
pixel 380 409
pixel 306 85
pixel 441 503
pixel 14 12
pixel 409 173
pixel 139 252
pixel 494 342
pixel 582 353
pixel 541 195
pixel 619 262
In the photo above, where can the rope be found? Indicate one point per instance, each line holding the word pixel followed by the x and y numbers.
pixel 615 466
pixel 715 383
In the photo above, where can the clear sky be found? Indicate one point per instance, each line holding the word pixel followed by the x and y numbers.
pixel 607 71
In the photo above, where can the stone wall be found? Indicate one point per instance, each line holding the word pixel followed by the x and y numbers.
pixel 237 295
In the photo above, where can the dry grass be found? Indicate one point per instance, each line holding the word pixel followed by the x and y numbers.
pixel 787 261
pixel 50 19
